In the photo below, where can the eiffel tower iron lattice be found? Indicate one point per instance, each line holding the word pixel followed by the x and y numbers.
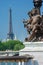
pixel 10 34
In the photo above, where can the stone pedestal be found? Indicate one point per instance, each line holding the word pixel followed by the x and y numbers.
pixel 35 49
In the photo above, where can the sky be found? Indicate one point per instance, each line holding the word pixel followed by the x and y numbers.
pixel 20 8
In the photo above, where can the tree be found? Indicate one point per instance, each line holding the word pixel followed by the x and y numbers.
pixel 11 45
pixel 1 46
pixel 18 46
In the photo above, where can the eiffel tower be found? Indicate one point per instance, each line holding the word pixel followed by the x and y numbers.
pixel 10 34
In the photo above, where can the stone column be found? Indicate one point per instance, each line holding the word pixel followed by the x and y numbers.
pixel 19 63
pixel 6 63
pixel 22 62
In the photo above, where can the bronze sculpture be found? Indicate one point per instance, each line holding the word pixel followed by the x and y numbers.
pixel 35 24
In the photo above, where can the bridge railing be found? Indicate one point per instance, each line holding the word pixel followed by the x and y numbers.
pixel 9 53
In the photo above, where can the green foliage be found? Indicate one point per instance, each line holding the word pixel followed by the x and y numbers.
pixel 11 45
pixel 18 46
pixel 1 46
